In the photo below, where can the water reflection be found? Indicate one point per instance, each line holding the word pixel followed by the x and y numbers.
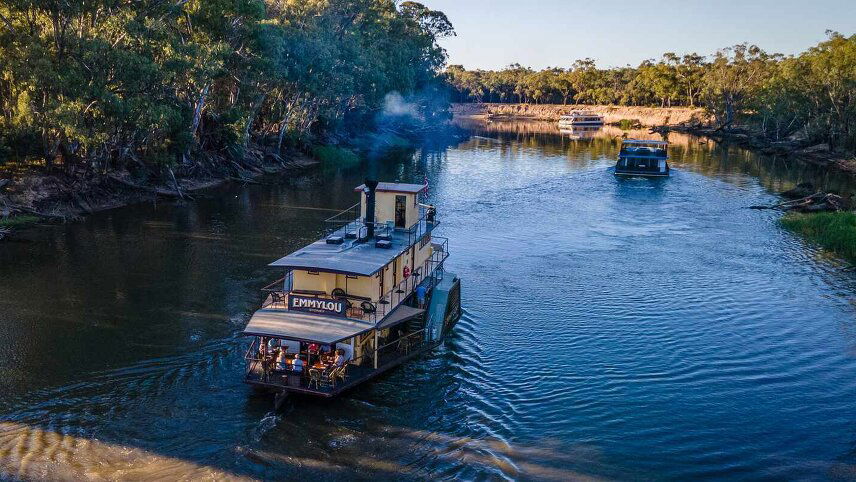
pixel 707 156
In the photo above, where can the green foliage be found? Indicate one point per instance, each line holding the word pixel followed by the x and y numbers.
pixel 627 124
pixel 107 83
pixel 335 156
pixel 834 231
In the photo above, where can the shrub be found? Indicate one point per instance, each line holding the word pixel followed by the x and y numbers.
pixel 335 156
pixel 834 231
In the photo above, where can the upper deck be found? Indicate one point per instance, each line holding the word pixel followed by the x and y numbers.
pixel 578 116
pixel 374 256
pixel 355 254
pixel 643 149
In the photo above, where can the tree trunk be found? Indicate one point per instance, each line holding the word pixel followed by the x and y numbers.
pixel 197 112
pixel 253 112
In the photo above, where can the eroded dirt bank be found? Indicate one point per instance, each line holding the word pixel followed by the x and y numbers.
pixel 646 116
pixel 60 195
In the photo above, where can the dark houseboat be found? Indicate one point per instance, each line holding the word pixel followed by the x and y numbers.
pixel 370 295
pixel 643 158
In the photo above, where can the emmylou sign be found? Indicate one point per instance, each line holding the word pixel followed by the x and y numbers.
pixel 317 305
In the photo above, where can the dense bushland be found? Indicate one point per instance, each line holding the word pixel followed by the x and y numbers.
pixel 107 84
pixel 812 94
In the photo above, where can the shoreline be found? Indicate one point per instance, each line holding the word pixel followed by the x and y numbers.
pixel 33 197
pixel 612 114
pixel 818 155
pixel 686 120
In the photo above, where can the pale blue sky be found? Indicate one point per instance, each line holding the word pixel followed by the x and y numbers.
pixel 541 33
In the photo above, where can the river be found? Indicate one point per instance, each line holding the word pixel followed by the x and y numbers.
pixel 612 329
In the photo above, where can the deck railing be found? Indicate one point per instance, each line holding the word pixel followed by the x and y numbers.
pixel 427 273
pixel 343 218
pixel 350 222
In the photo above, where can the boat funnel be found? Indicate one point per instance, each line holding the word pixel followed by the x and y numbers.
pixel 371 186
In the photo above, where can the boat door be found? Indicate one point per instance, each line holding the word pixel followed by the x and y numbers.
pixel 400 211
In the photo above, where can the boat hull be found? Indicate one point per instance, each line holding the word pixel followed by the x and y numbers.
pixel 586 123
pixel 641 173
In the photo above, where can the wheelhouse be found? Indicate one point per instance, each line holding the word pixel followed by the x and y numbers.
pixel 644 148
pixel 643 158
pixel 370 294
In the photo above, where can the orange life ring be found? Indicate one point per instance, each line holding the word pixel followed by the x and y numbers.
pixel 406 272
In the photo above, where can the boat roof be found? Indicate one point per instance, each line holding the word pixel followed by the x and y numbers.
pixel 350 257
pixel 303 326
pixel 400 314
pixel 644 142
pixel 396 187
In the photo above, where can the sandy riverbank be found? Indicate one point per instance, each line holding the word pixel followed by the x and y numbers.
pixel 647 116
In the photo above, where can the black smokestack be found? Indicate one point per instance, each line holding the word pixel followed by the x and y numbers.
pixel 371 186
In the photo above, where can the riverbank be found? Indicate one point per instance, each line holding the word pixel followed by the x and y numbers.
pixel 817 154
pixel 646 116
pixel 29 195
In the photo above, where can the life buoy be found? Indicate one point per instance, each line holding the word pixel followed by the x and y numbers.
pixel 406 272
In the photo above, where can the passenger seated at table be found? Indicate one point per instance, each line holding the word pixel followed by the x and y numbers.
pixel 340 358
pixel 297 364
pixel 281 362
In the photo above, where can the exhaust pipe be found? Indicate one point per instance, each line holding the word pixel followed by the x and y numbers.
pixel 370 188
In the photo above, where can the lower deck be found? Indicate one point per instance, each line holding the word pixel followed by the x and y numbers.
pixel 321 381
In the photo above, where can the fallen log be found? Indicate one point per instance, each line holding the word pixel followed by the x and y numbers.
pixel 817 202
pixel 175 183
pixel 153 190
pixel 802 190
pixel 25 210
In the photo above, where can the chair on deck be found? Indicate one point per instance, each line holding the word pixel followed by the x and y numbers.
pixel 338 293
pixel 404 344
pixel 339 374
pixel 315 377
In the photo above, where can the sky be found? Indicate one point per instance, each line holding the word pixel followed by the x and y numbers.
pixel 554 33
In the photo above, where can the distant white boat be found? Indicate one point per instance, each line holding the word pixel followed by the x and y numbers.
pixel 581 118
pixel 580 132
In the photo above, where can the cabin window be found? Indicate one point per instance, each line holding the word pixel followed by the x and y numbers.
pixel 348 276
pixel 314 273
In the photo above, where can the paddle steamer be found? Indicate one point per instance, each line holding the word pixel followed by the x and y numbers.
pixel 370 295
pixel 643 158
